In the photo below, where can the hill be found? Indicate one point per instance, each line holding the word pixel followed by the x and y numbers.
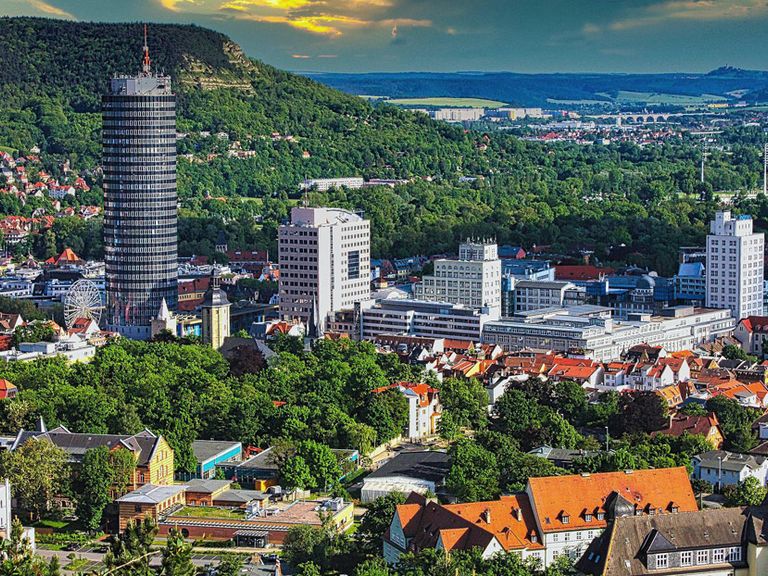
pixel 251 133
pixel 725 83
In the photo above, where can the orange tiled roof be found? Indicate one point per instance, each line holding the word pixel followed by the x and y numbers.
pixel 577 495
pixel 509 520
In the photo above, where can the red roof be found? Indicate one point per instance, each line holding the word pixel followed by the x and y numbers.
pixel 585 272
pixel 755 323
pixel 67 256
pixel 692 424
pixel 7 388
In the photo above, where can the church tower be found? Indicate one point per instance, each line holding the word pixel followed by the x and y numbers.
pixel 164 321
pixel 215 313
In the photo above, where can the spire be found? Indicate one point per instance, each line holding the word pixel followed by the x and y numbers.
pixel 146 64
pixel 164 313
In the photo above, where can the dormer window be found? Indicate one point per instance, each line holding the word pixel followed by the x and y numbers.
pixel 534 537
pixel 566 519
pixel 587 517
pixel 601 515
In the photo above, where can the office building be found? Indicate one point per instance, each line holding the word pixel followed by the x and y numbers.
pixel 473 281
pixel 735 265
pixel 140 203
pixel 532 295
pixel 420 319
pixel 325 264
pixel 325 184
pixel 590 331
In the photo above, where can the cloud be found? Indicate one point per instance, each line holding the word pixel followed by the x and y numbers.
pixel 683 10
pixel 50 10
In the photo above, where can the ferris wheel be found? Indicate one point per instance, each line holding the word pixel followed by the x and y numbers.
pixel 82 300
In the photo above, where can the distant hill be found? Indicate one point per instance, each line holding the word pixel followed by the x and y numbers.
pixel 542 89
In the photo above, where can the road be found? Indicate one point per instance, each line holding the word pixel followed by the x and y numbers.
pixel 95 558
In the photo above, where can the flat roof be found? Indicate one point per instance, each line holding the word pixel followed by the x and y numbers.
pixel 151 494
pixel 204 450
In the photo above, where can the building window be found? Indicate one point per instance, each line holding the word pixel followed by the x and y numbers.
pixel 686 558
pixel 718 555
pixel 662 561
pixel 566 519
pixel 588 517
pixel 600 516
pixel 137 508
pixel 734 554
pixel 702 557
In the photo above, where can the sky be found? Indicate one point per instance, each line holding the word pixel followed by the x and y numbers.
pixel 460 35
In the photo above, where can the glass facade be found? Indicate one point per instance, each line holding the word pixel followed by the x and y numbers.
pixel 140 202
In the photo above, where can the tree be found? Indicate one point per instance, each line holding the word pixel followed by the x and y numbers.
pixel 465 400
pixel 123 464
pixel 474 473
pixel 373 567
pixel 387 413
pixel 37 471
pixel 18 559
pixel 733 352
pixel 376 520
pixel 129 553
pixel 229 565
pixel 735 422
pixel 321 462
pixel 641 412
pixel 177 556
pixel 747 493
pixel 309 569
pixel 296 474
pixel 94 482
pixel 305 544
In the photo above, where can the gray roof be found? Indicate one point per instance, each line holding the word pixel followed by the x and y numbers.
pixel 75 445
pixel 262 461
pixel 151 494
pixel 241 496
pixel 729 460
pixel 425 465
pixel 207 486
pixel 623 547
pixel 562 454
pixel 545 284
pixel 204 450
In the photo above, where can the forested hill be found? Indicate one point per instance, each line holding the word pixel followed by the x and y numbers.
pixel 53 68
pixel 280 128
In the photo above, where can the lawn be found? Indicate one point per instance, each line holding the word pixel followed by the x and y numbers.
pixel 448 102
pixel 209 512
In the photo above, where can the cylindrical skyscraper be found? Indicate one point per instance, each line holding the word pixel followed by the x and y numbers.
pixel 140 200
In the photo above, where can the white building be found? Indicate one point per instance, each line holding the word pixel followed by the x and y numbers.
pixel 325 184
pixel 458 114
pixel 533 295
pixel 722 468
pixel 420 472
pixel 5 509
pixel 325 264
pixel 474 280
pixel 735 266
pixel 421 319
pixel 590 331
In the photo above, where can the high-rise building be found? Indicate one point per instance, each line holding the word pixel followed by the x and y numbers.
pixel 474 280
pixel 325 264
pixel 735 265
pixel 216 323
pixel 5 509
pixel 140 203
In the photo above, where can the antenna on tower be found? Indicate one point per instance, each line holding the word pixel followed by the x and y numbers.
pixel 146 64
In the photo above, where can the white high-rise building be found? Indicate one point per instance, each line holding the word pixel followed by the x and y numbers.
pixel 735 265
pixel 5 509
pixel 325 264
pixel 474 280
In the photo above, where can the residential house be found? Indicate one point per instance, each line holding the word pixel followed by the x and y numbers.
pixel 706 426
pixel 571 511
pixel 504 525
pixel 711 542
pixel 7 389
pixel 420 472
pixel 563 457
pixel 722 468
pixel 424 408
pixel 752 333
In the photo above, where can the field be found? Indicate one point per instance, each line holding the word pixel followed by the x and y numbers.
pixel 448 102
pixel 673 99
pixel 209 512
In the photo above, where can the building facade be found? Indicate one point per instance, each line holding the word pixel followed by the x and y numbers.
pixel 325 264
pixel 474 280
pixel 735 266
pixel 215 309
pixel 5 509
pixel 140 200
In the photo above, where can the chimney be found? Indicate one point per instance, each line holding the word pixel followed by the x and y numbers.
pixel 486 515
pixel 519 514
